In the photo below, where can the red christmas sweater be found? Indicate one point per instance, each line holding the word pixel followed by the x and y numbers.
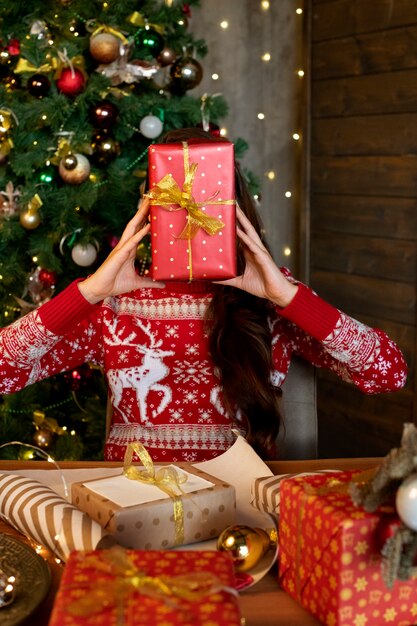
pixel 152 346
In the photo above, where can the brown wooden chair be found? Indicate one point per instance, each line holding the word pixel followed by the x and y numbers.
pixel 298 437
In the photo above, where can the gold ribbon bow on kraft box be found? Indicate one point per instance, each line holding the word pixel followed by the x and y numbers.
pixel 157 507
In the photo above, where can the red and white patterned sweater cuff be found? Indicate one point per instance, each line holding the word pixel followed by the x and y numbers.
pixel 66 310
pixel 308 311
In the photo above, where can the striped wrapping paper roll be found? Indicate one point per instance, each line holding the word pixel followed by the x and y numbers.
pixel 47 518
pixel 266 491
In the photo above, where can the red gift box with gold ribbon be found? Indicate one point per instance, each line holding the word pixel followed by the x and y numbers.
pixel 193 212
pixel 140 588
pixel 329 556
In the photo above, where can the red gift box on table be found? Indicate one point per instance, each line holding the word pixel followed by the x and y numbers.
pixel 193 212
pixel 143 588
pixel 330 559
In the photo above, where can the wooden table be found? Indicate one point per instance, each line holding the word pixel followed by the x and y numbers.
pixel 264 604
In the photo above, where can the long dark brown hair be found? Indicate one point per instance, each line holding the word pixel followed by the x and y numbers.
pixel 239 334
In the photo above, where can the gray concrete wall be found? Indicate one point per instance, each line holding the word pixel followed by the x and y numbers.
pixel 251 86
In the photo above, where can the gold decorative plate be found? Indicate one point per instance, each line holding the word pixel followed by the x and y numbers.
pixel 33 579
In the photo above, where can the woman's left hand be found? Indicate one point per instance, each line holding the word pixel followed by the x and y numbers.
pixel 261 277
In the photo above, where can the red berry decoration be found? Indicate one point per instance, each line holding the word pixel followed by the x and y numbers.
pixel 385 529
pixel 47 278
pixel 71 82
pixel 38 85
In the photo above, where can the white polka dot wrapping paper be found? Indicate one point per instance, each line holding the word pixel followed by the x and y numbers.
pixel 141 516
pixel 206 172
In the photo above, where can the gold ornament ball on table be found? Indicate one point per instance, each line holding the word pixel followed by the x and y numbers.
pixel 74 169
pixel 245 544
pixel 104 47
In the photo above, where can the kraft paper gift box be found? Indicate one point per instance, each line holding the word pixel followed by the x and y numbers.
pixel 329 557
pixel 192 186
pixel 151 588
pixel 141 516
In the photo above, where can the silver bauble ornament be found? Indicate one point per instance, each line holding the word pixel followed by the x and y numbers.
pixel 84 255
pixel 406 501
pixel 151 126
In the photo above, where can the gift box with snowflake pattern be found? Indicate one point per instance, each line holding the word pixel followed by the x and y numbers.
pixel 330 559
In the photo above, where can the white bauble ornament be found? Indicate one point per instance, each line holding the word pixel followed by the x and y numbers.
pixel 151 126
pixel 406 501
pixel 74 169
pixel 84 255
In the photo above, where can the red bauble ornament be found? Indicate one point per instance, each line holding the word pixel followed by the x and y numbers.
pixel 71 82
pixel 47 278
pixel 14 47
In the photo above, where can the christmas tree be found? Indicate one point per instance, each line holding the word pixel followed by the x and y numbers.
pixel 85 87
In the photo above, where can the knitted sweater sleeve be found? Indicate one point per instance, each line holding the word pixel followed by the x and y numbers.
pixel 329 338
pixel 59 335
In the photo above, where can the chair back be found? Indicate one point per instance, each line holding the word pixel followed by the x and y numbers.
pixel 298 437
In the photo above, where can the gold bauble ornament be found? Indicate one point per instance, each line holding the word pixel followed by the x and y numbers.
pixel 43 437
pixel 5 122
pixel 104 47
pixel 246 545
pixel 74 169
pixel 30 218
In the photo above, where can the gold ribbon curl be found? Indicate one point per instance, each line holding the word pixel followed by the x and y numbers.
pixel 127 578
pixel 167 479
pixel 168 194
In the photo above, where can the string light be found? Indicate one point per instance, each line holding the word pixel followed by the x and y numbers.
pixel 261 116
pixel 265 5
pixel 300 73
pixel 287 251
pixel 266 57
pixel 224 24
pixel 296 136
pixel 35 259
pixel 288 194
pixel 270 175
pixel 223 132
pixel 215 76
pixel 299 11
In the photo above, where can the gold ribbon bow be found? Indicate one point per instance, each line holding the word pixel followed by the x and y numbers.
pixel 35 203
pixel 127 578
pixel 62 151
pixel 104 28
pixel 24 65
pixel 168 194
pixel 40 420
pixel 137 19
pixel 167 479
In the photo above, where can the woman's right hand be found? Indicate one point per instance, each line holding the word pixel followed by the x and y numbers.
pixel 118 273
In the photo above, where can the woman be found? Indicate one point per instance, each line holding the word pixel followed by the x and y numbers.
pixel 187 363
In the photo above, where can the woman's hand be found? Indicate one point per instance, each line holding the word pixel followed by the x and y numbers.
pixel 261 277
pixel 118 274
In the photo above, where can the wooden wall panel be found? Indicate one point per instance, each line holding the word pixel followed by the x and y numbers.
pixel 364 201
pixel 347 17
